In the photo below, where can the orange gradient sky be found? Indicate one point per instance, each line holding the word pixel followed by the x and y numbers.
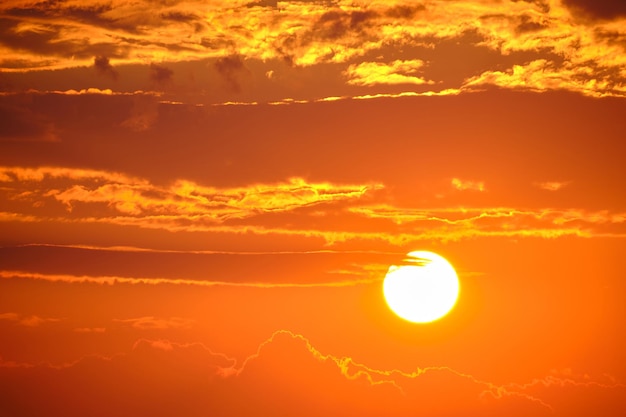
pixel 199 201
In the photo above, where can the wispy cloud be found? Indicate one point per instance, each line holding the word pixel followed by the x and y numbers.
pixel 155 323
pixel 463 185
pixel 27 320
pixel 148 321
pixel 552 185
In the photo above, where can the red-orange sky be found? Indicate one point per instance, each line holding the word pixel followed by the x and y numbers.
pixel 199 201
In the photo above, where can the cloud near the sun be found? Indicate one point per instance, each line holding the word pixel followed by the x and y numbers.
pixel 286 375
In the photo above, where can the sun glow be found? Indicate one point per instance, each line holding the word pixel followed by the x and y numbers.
pixel 423 289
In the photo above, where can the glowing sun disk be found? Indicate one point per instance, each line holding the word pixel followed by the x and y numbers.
pixel 423 289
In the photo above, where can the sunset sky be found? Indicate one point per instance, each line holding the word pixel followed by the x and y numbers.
pixel 199 201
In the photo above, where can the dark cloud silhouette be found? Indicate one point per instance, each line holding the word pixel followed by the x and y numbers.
pixel 402 11
pixel 542 4
pixel 231 68
pixel 335 24
pixel 598 9
pixel 526 24
pixel 160 74
pixel 103 66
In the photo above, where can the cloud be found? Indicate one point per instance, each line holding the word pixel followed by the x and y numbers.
pixel 103 66
pixel 463 185
pixel 598 9
pixel 153 323
pixel 135 196
pixel 544 75
pixel 90 329
pixel 143 114
pixel 21 124
pixel 56 35
pixel 294 210
pixel 160 74
pixel 396 72
pixel 552 185
pixel 287 375
pixel 231 68
pixel 27 321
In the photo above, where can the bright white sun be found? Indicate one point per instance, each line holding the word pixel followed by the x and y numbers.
pixel 424 288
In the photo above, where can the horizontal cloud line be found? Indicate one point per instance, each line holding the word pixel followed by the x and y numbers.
pixel 114 280
pixel 205 252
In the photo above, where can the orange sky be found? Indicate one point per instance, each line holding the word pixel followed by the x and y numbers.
pixel 199 201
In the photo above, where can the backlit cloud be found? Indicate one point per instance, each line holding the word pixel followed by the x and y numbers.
pixel 552 185
pixel 544 45
pixel 287 362
pixel 134 196
pixel 463 185
pixel 397 72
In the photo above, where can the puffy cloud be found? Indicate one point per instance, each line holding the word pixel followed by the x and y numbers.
pixel 103 66
pixel 397 72
pixel 544 75
pixel 463 185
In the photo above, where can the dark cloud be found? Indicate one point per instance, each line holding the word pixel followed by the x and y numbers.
pixel 332 25
pixel 402 11
pixel 526 24
pixel 179 16
pixel 598 9
pixel 611 37
pixel 46 40
pixel 103 66
pixel 23 124
pixel 541 4
pixel 93 15
pixel 160 74
pixel 337 23
pixel 264 3
pixel 274 3
pixel 28 40
pixel 231 68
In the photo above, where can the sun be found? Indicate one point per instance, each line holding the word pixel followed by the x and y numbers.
pixel 422 289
